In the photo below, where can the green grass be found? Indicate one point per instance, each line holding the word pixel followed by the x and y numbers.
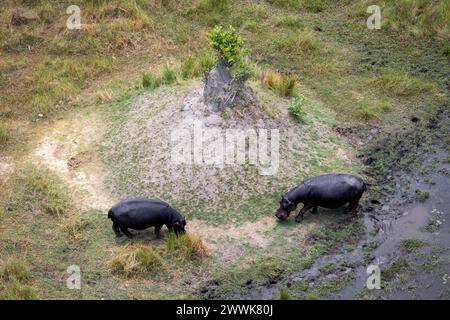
pixel 48 70
pixel 5 135
pixel 413 245
pixel 168 75
pixel 401 84
pixel 149 81
pixel 15 290
pixel 15 269
pixel 39 191
pixel 284 294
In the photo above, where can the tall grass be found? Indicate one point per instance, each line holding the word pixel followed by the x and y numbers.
pixel 282 84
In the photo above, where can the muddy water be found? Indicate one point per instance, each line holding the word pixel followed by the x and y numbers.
pixel 408 220
pixel 398 218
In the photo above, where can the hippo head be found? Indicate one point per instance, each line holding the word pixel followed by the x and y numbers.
pixel 179 226
pixel 286 206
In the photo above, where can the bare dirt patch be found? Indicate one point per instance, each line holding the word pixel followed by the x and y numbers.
pixel 68 148
pixel 6 168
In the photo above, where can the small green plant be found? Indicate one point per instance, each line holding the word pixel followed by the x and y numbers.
pixel 421 196
pixel 188 68
pixel 284 294
pixel 297 107
pixel 227 43
pixel 168 75
pixel 230 47
pixel 149 81
pixel 413 245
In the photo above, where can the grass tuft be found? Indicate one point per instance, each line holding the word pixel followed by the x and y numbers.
pixel 15 269
pixel 186 246
pixel 282 84
pixel 136 260
pixel 149 81
pixel 401 83
pixel 413 245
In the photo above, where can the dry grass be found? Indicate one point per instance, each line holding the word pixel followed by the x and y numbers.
pixel 136 260
pixel 15 269
pixel 73 226
pixel 186 246
pixel 282 84
pixel 5 135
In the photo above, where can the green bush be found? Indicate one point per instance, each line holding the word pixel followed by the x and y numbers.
pixel 228 44
pixel 297 107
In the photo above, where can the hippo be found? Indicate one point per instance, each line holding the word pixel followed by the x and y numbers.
pixel 139 214
pixel 328 191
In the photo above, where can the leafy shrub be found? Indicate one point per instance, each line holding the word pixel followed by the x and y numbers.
pixel 227 43
pixel 297 107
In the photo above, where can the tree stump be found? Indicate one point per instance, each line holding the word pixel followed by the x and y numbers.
pixel 222 90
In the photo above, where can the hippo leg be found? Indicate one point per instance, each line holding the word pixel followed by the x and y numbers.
pixel 305 208
pixel 126 232
pixel 116 230
pixel 314 210
pixel 158 230
pixel 352 205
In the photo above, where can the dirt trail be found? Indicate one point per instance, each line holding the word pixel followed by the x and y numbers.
pixel 68 148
